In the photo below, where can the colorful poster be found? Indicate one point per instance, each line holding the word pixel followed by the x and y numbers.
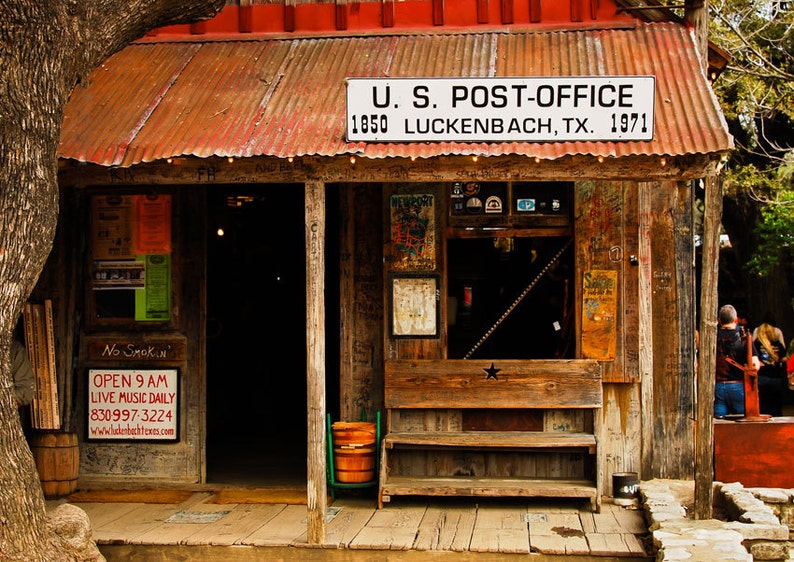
pixel 153 303
pixel 599 314
pixel 127 274
pixel 413 235
pixel 112 227
pixel 153 224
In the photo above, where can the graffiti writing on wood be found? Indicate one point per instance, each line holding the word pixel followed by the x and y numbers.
pixel 413 232
pixel 599 314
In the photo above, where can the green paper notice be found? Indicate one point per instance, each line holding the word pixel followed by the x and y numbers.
pixel 153 302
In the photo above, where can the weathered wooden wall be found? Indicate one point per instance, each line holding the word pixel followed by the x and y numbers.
pixel 613 227
pixel 424 348
pixel 361 300
pixel 607 239
pixel 117 463
pixel 673 310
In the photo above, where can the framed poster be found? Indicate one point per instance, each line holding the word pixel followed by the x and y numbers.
pixel 413 232
pixel 112 219
pixel 133 405
pixel 414 306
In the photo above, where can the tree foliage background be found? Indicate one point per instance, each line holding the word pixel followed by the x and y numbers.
pixel 756 91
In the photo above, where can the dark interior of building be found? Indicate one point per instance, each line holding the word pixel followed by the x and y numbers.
pixel 515 291
pixel 256 336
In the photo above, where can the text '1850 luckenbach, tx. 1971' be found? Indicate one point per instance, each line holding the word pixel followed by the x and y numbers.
pixel 575 108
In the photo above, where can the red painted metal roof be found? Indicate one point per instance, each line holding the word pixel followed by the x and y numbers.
pixel 285 97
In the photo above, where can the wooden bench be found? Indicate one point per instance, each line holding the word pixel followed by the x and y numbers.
pixel 447 454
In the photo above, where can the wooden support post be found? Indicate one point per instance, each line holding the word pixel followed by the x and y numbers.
pixel 697 13
pixel 388 13
pixel 507 11
pixel 341 15
pixel 317 493
pixel 704 425
pixel 645 321
pixel 289 15
pixel 482 11
pixel 245 17
pixel 534 11
pixel 576 10
pixel 438 12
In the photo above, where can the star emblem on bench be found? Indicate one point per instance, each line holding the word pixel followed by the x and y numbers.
pixel 492 372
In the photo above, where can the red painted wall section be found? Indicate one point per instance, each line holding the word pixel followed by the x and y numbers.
pixel 408 15
pixel 757 454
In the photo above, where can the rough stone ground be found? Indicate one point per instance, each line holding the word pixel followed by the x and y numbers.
pixel 746 528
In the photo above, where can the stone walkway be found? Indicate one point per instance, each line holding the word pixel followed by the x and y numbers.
pixel 757 526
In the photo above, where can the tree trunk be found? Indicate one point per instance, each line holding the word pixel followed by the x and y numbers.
pixel 46 49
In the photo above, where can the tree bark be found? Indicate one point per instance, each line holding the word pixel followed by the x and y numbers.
pixel 46 48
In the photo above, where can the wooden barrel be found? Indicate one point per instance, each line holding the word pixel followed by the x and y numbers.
pixel 57 457
pixel 354 451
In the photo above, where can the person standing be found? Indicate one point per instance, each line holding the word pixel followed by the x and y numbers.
pixel 22 374
pixel 771 375
pixel 731 356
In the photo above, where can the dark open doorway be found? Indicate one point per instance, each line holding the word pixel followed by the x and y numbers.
pixel 256 337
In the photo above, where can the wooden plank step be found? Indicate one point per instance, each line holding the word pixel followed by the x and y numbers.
pixel 487 487
pixel 489 439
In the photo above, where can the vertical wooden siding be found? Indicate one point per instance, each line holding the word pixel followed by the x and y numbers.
pixel 673 329
pixel 607 237
pixel 361 293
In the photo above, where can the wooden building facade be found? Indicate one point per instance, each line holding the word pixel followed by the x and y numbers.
pixel 518 287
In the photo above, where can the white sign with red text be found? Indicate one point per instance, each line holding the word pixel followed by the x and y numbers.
pixel 531 109
pixel 139 404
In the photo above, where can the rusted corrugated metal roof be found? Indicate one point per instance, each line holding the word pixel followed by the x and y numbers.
pixel 286 97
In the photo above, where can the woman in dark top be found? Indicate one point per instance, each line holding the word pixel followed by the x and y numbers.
pixel 772 375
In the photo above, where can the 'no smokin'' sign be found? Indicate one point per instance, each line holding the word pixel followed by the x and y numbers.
pixel 580 108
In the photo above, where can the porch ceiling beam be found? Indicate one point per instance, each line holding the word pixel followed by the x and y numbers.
pixel 197 171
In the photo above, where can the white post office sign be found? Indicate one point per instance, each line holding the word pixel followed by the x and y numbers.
pixel 575 108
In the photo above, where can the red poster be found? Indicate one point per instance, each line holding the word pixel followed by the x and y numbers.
pixel 153 224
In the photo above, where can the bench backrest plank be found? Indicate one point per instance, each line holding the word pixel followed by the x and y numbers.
pixel 466 383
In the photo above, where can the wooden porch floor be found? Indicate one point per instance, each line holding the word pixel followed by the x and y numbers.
pixel 198 529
